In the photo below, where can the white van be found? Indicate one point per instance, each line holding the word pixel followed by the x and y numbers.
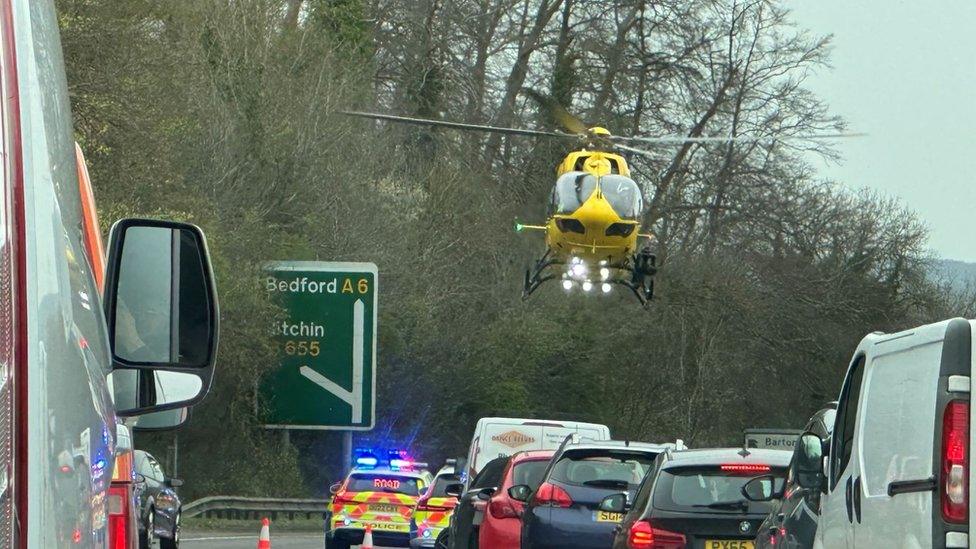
pixel 503 436
pixel 897 470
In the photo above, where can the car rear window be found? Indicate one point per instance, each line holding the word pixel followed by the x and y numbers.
pixel 370 482
pixel 710 490
pixel 438 490
pixel 529 473
pixel 599 468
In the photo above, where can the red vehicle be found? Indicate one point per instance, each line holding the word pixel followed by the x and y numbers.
pixel 502 526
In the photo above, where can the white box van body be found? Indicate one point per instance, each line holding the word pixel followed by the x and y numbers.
pixel 898 467
pixel 503 436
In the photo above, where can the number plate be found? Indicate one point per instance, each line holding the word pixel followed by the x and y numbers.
pixel 729 544
pixel 383 508
pixel 606 516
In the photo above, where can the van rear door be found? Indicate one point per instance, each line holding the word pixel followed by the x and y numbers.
pixel 896 438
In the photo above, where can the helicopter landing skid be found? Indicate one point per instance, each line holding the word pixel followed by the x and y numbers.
pixel 534 277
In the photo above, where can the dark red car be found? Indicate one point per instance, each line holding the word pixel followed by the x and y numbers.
pixel 502 526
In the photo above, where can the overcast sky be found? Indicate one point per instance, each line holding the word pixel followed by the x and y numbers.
pixel 905 73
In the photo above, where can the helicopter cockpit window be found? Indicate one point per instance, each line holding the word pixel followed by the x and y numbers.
pixel 571 190
pixel 623 194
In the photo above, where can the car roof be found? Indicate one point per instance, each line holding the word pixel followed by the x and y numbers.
pixel 420 473
pixel 719 456
pixel 619 445
pixel 532 455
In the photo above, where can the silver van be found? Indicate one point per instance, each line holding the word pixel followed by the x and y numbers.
pixel 896 472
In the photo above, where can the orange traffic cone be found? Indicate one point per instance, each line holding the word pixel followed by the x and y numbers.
pixel 264 540
pixel 368 538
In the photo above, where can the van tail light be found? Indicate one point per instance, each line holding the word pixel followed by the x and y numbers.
pixel 955 462
pixel 550 494
pixel 503 508
pixel 118 517
pixel 745 468
pixel 644 536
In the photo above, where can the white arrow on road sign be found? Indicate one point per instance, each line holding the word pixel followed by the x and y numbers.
pixel 354 397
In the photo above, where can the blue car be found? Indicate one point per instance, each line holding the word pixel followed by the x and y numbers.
pixel 564 511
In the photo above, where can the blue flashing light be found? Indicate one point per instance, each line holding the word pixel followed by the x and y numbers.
pixel 367 461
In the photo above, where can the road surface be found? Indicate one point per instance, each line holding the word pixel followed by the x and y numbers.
pixel 200 539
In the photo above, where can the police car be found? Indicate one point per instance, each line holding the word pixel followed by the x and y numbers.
pixel 381 493
pixel 433 511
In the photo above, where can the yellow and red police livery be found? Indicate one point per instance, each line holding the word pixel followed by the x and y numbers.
pixel 382 496
pixel 433 511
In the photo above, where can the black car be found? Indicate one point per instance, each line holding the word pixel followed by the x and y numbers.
pixel 159 505
pixel 563 512
pixel 793 521
pixel 697 498
pixel 470 509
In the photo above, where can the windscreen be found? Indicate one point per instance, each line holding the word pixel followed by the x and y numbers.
pixel 571 190
pixel 710 490
pixel 529 473
pixel 623 194
pixel 617 470
pixel 369 482
pixel 438 490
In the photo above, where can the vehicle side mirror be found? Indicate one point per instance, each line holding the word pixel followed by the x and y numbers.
pixel 162 315
pixel 454 489
pixel 175 482
pixel 763 488
pixel 334 489
pixel 485 493
pixel 138 478
pixel 614 503
pixel 808 462
pixel 520 492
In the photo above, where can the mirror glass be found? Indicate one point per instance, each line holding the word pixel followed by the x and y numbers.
pixel 615 503
pixel 519 492
pixel 167 419
pixel 808 461
pixel 760 488
pixel 139 389
pixel 161 312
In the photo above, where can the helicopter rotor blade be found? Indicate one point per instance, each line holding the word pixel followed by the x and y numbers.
pixel 456 125
pixel 678 140
pixel 553 110
pixel 635 150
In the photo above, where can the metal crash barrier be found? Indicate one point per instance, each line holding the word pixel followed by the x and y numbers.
pixel 239 507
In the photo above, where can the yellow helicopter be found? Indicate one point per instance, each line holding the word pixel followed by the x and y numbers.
pixel 593 226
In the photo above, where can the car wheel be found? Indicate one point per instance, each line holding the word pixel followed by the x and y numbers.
pixel 332 543
pixel 443 540
pixel 147 536
pixel 173 542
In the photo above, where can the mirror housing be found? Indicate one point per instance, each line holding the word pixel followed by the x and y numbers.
pixel 808 462
pixel 138 478
pixel 485 493
pixel 454 489
pixel 162 315
pixel 520 492
pixel 334 489
pixel 762 488
pixel 614 503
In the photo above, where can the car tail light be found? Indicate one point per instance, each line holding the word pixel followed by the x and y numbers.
pixel 118 515
pixel 955 462
pixel 745 468
pixel 502 508
pixel 550 494
pixel 643 536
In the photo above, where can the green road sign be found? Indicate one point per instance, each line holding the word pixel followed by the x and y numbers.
pixel 327 344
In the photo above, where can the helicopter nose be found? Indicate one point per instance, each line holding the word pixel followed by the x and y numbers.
pixel 596 214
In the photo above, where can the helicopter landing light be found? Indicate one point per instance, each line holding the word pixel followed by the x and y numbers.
pixel 567 285
pixel 606 287
pixel 587 286
pixel 604 273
